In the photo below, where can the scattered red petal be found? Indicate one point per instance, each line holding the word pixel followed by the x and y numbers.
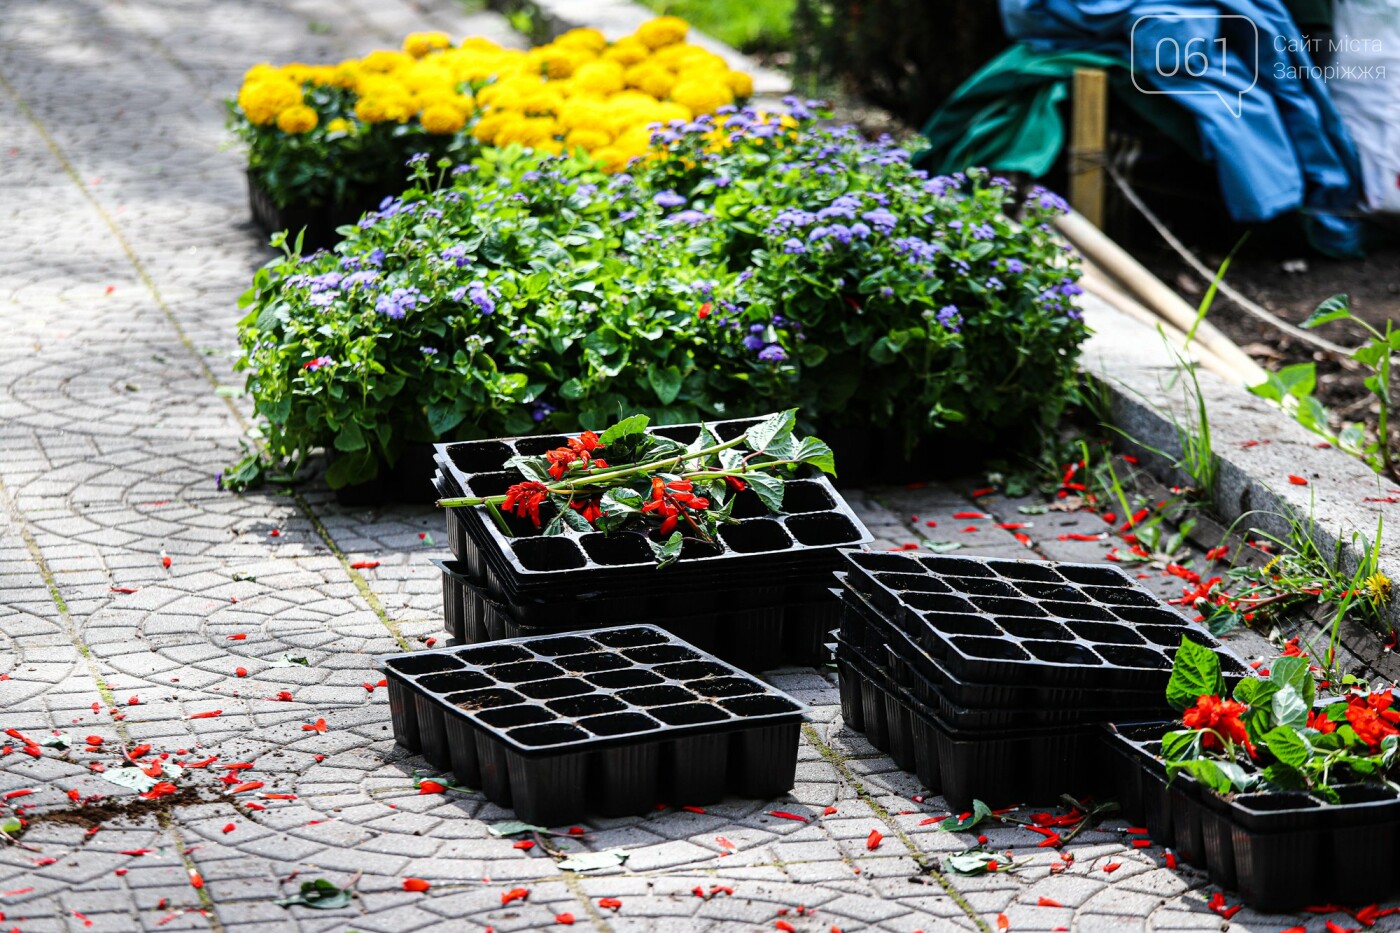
pixel 566 919
pixel 196 879
pixel 239 637
pixel 611 903
pixel 165 560
pixel 1297 480
pixel 364 565
pixel 230 827
pixel 1111 867
pixel 245 787
pixel 693 809
pixel 783 814
pixel 209 714
pixel 828 811
pixel 515 894
pixel 966 515
pixel 415 884
pixel 526 844
pixel 123 589
pixel 872 842
pixel 1003 923
pixel 317 726
pixel 1048 902
pixel 430 787
pixel 724 843
pixel 18 793
pixel 784 926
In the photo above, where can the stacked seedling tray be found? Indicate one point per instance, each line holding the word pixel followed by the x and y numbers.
pixel 988 678
pixel 1280 850
pixel 758 597
pixel 614 720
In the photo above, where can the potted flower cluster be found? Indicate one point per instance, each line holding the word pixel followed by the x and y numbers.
pixel 1272 789
pixel 326 142
pixel 738 513
pixel 748 262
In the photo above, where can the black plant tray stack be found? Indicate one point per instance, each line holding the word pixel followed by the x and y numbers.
pixel 614 721
pixel 989 678
pixel 758 598
pixel 1279 850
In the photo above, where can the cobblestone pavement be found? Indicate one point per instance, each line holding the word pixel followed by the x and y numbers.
pixel 126 244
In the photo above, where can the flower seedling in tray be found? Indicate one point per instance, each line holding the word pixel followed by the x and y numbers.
pixel 1084 625
pixel 1270 788
pixel 616 719
pixel 631 496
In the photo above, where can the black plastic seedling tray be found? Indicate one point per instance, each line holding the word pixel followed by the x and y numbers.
pixel 929 680
pixel 1282 850
pixel 1001 767
pixel 755 638
pixel 615 720
pixel 991 621
pixel 814 522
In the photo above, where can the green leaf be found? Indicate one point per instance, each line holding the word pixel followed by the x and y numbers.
pixel 627 427
pixel 572 389
pixel 1288 746
pixel 768 488
pixel 1289 708
pixel 1333 309
pixel 942 547
pixel 1299 379
pixel 513 828
pixel 588 861
pixel 1293 672
pixel 1209 773
pixel 774 426
pixel 134 778
pixel 1033 509
pixel 669 552
pixel 979 812
pixel 573 519
pixel 1251 691
pixel 286 660
pixel 1284 777
pixel 11 825
pixel 1180 744
pixel 1195 673
pixel 534 468
pixel 666 383
pixel 350 437
pixel 319 894
pixel 971 863
pixel 818 454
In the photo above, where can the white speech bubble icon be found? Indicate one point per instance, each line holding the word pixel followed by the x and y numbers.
pixel 1204 59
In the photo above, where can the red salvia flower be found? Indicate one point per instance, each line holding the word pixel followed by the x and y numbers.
pixel 1320 722
pixel 577 450
pixel 1372 718
pixel 1221 716
pixel 671 500
pixel 525 499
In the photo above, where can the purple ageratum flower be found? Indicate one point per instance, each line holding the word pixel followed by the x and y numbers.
pixel 428 351
pixel 626 216
pixel 668 199
pixel 418 158
pixel 772 354
pixel 457 254
pixel 994 284
pixel 1070 289
pixel 398 302
pixel 322 299
pixel 480 297
pixel 754 342
pixel 880 219
pixel 1015 266
pixel 691 217
pixel 983 232
pixel 375 258
pixel 794 247
pixel 540 411
pixel 949 317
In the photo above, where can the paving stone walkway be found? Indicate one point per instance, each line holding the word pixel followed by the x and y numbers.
pixel 127 241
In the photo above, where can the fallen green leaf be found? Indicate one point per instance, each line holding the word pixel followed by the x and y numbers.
pixel 134 778
pixel 286 660
pixel 587 861
pixel 320 894
pixel 513 828
pixel 1033 509
pixel 941 547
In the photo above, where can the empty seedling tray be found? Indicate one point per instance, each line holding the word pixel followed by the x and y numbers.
pixel 929 680
pixel 753 637
pixel 1056 624
pixel 614 720
pixel 1280 850
pixel 1001 767
pixel 815 520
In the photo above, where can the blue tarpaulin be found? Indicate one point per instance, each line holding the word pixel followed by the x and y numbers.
pixel 1242 69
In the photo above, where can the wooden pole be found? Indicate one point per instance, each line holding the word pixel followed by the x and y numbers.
pixel 1088 143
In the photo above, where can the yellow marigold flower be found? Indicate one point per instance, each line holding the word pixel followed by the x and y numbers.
pixel 701 96
pixel 600 77
pixel 384 108
pixel 582 38
pixel 442 119
pixel 489 126
pixel 1378 587
pixel 612 160
pixel 689 58
pixel 345 74
pixel 583 112
pixel 627 51
pixel 297 72
pixel 651 79
pixel 556 62
pixel 425 74
pixel 384 61
pixel 419 44
pixel 552 146
pixel 297 119
pixel 587 139
pixel 740 83
pixel 263 100
pixel 340 125
pixel 260 72
pixel 664 30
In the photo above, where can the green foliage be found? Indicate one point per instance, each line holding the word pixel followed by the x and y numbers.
pixel 1292 387
pixel 747 25
pixel 712 281
pixel 320 894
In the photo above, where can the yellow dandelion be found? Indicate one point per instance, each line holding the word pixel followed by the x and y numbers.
pixel 297 119
pixel 1378 588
